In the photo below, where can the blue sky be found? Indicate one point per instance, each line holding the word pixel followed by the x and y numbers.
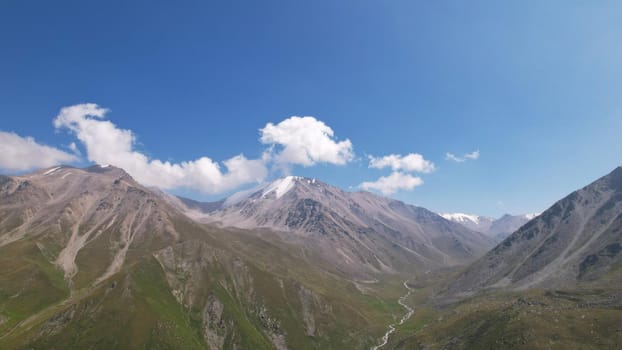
pixel 535 86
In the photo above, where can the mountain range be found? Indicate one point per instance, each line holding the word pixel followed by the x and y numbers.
pixel 498 229
pixel 90 258
pixel 359 232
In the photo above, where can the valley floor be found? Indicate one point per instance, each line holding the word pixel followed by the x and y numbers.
pixel 409 313
pixel 579 319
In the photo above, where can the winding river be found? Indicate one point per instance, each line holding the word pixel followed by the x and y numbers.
pixel 391 328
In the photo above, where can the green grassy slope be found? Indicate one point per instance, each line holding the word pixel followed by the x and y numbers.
pixel 131 310
pixel 28 283
pixel 270 294
pixel 580 319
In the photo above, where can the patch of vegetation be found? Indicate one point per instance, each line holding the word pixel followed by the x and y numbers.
pixel 28 283
pixel 590 319
pixel 133 310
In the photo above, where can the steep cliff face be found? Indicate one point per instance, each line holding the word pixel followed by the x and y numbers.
pixel 576 241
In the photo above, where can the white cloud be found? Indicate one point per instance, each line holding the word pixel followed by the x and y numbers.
pixel 399 179
pixel 451 156
pixel 410 162
pixel 390 184
pixel 24 153
pixel 105 143
pixel 467 156
pixel 473 155
pixel 306 141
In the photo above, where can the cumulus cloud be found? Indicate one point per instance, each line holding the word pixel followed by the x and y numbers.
pixel 395 182
pixel 105 143
pixel 24 153
pixel 467 156
pixel 410 162
pixel 400 177
pixel 305 141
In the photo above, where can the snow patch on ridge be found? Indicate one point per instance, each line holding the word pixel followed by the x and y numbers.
pixel 281 186
pixel 242 195
pixel 460 217
pixel 51 170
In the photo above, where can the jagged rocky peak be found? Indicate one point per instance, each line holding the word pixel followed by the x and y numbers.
pixel 281 189
pixel 614 180
pixel 282 186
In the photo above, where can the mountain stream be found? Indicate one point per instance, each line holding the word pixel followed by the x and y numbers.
pixel 409 312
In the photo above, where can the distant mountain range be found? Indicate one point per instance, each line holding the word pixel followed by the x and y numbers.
pixel 498 229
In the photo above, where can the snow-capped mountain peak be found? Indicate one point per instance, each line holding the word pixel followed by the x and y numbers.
pixel 275 190
pixel 281 186
pixel 474 222
pixel 496 228
pixel 461 217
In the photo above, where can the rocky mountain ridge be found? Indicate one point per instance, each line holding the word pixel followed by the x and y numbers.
pixel 577 241
pixel 358 231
